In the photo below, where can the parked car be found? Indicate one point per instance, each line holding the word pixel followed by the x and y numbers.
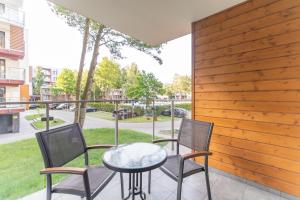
pixel 178 112
pixel 63 106
pixel 87 109
pixel 53 106
pixel 90 109
pixel 33 106
pixel 124 113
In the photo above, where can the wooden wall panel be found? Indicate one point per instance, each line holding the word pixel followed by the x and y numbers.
pixel 16 38
pixel 246 79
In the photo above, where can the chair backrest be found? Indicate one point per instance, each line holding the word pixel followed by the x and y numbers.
pixel 61 145
pixel 195 134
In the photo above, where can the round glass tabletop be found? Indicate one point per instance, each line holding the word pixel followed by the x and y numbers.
pixel 135 157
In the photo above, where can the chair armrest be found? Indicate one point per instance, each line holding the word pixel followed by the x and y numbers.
pixel 100 146
pixel 64 170
pixel 164 140
pixel 196 154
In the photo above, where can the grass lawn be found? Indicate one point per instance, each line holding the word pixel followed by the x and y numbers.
pixel 21 161
pixel 139 119
pixel 41 124
pixel 33 116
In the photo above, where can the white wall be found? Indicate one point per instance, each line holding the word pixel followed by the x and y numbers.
pixel 12 93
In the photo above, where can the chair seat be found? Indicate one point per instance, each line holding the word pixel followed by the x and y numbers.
pixel 171 167
pixel 74 184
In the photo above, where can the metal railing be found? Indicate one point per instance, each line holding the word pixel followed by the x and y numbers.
pixel 12 15
pixel 5 102
pixel 117 105
pixel 13 73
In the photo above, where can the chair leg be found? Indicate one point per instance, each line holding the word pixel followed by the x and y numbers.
pixel 49 186
pixel 149 182
pixel 179 188
pixel 122 185
pixel 207 179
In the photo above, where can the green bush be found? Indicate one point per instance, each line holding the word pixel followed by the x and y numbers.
pixel 186 106
pixel 103 106
pixel 110 107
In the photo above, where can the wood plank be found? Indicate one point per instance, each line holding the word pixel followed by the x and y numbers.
pixel 244 126
pixel 276 96
pixel 231 12
pixel 273 161
pixel 254 65
pixel 271 117
pixel 265 138
pixel 273 30
pixel 273 52
pixel 263 43
pixel 270 171
pixel 257 146
pixel 284 107
pixel 269 20
pixel 258 75
pixel 270 85
pixel 249 16
pixel 256 177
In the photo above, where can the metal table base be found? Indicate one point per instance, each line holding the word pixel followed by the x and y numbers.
pixel 135 187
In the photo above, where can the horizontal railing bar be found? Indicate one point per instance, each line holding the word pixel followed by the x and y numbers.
pixel 84 101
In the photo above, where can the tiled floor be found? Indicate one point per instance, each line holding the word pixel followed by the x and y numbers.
pixel 164 188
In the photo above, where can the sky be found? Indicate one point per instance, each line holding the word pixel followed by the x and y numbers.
pixel 52 43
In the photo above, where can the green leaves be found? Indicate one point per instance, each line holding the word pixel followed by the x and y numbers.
pixel 65 83
pixel 113 40
pixel 108 75
pixel 38 81
pixel 146 86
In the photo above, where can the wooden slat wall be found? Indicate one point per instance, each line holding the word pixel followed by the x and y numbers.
pixel 16 38
pixel 246 79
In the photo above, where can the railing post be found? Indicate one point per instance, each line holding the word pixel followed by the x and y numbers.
pixel 153 119
pixel 172 122
pixel 47 117
pixel 116 125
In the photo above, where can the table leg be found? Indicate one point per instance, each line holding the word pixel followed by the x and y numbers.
pixel 135 186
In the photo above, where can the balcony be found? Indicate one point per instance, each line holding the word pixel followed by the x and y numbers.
pixel 12 76
pixel 12 15
pixel 112 129
pixel 10 108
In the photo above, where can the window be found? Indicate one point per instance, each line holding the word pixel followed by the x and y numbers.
pixel 2 69
pixel 2 8
pixel 2 96
pixel 2 39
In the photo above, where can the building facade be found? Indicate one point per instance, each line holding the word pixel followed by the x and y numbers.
pixel 13 64
pixel 50 76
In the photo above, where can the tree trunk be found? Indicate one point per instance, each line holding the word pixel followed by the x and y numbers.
pixel 81 65
pixel 90 77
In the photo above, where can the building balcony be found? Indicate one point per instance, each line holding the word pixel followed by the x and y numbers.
pixel 11 53
pixel 10 108
pixel 12 76
pixel 12 15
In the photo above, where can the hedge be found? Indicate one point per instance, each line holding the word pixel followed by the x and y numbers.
pixel 140 110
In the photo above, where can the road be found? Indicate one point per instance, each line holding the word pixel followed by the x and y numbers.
pixel 27 131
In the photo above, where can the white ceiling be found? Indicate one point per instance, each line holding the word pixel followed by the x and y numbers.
pixel 152 21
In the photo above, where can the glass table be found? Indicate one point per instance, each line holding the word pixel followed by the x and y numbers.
pixel 135 159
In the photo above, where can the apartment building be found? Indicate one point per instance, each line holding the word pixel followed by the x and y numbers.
pixel 13 64
pixel 50 76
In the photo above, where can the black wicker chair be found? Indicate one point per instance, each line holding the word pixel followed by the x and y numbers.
pixel 62 145
pixel 196 136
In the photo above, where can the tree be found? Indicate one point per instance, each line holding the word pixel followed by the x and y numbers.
pixel 108 76
pixel 147 86
pixel 66 83
pixel 181 84
pixel 102 36
pixel 38 81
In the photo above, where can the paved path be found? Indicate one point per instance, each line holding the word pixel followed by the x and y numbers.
pixel 27 131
